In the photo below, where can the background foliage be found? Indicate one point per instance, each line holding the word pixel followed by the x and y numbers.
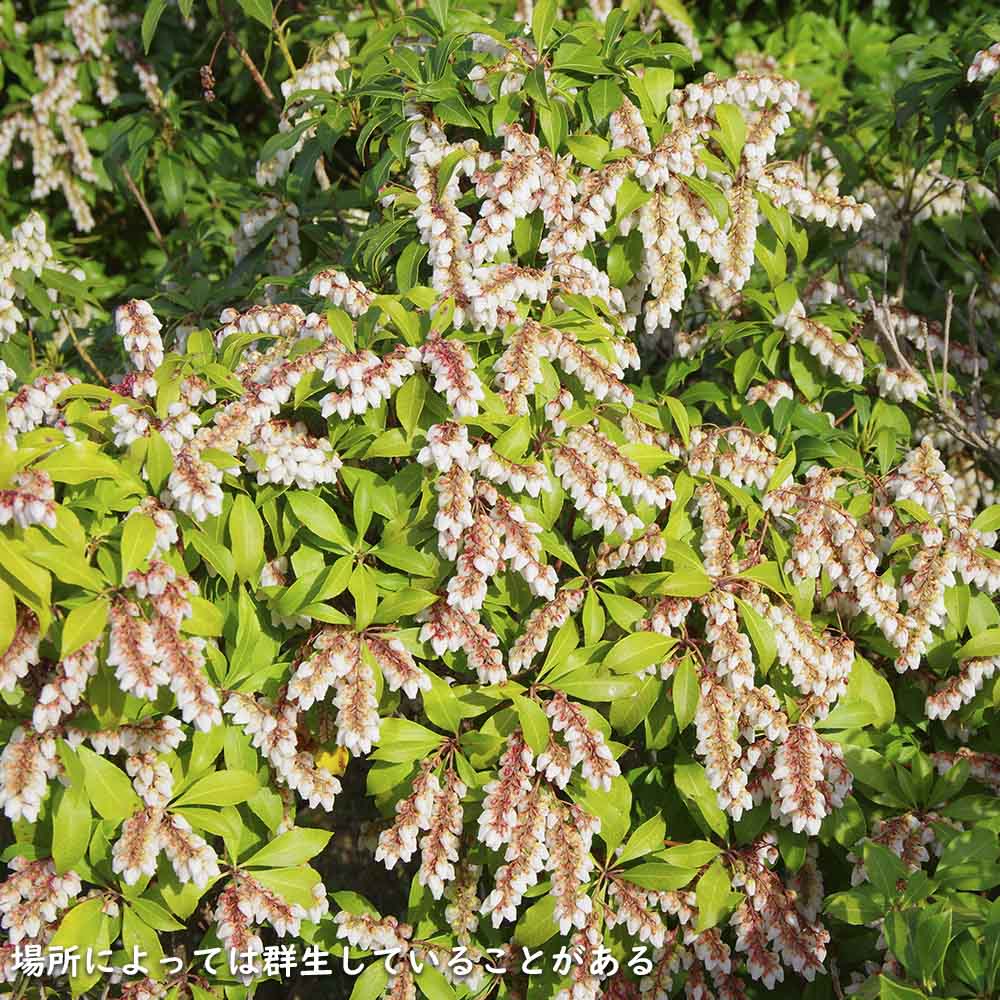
pixel 474 442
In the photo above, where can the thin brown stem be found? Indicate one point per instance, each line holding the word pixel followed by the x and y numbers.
pixel 85 354
pixel 247 60
pixel 137 194
pixel 844 416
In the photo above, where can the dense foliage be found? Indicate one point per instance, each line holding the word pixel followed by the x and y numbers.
pixel 499 501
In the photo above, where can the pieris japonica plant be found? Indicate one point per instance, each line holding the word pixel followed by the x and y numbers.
pixel 563 594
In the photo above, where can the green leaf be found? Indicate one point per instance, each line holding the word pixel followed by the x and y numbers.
pixel 259 10
pixel 410 402
pixel 71 828
pixel 542 19
pixel 686 583
pixel 934 933
pixel 691 855
pixel 364 590
pixel 170 174
pixel 363 508
pixel 447 168
pixel 714 896
pixel 30 583
pixel 792 847
pixel 784 469
pixel 151 18
pixel 644 840
pixel 985 644
pixel 659 876
pixel 868 701
pixel 294 885
pixel 154 915
pixel 628 713
pixel 246 538
pixel 534 723
pixel 290 849
pixel 679 415
pixel 159 462
pixel 138 539
pixel 554 123
pixel 732 131
pixel 612 808
pixel 623 610
pixel 401 741
pixel 761 635
pixel 205 748
pixel 590 150
pixel 205 618
pixel 139 938
pixel 315 587
pixel 439 8
pixel 319 517
pixel 593 618
pixel 968 860
pixel 81 928
pixel 579 59
pixel 79 463
pixel 408 264
pixel 342 326
pixel 442 706
pixel 847 824
pixel 857 907
pixel 637 651
pixel 8 617
pixel 711 195
pixel 537 924
pixel 605 97
pixel 988 519
pixel 109 788
pixel 583 685
pixel 408 559
pixel 220 788
pixel 686 692
pixel 884 868
pixel 890 989
pixel 766 573
pixel 402 604
pixel 83 624
pixel 514 441
pixel 432 984
pixel 692 783
pixel 371 983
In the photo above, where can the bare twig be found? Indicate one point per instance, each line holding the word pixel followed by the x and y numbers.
pixel 947 414
pixel 935 387
pixel 85 354
pixel 977 398
pixel 247 60
pixel 137 194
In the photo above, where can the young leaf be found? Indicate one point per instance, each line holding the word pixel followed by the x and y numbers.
pixel 685 692
pixel 83 624
pixel 246 536
pixel 534 723
pixel 138 538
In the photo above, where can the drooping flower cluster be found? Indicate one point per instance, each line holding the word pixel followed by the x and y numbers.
pixel 984 64
pixel 33 896
pixel 318 74
pixel 49 124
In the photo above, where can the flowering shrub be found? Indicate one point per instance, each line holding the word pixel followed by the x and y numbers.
pixel 570 586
